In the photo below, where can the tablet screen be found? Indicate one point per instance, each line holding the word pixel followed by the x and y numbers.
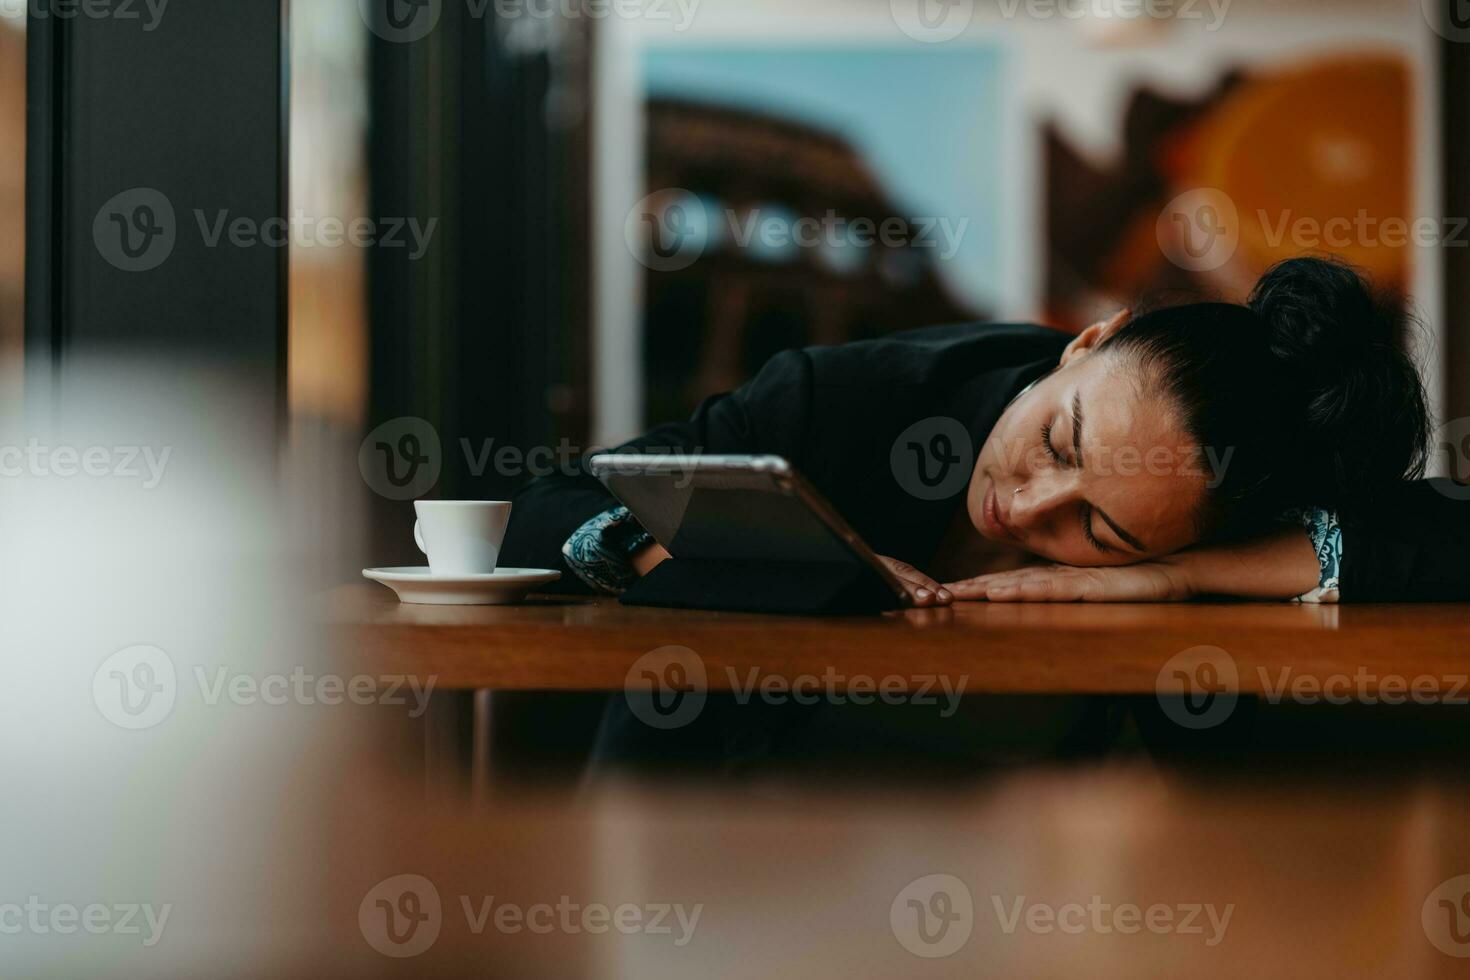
pixel 723 507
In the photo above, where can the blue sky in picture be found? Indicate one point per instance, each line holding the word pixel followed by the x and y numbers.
pixel 928 123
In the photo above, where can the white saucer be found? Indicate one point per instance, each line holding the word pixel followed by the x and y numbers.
pixel 415 583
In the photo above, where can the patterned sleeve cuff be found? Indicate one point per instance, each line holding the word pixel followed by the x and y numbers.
pixel 599 551
pixel 1326 536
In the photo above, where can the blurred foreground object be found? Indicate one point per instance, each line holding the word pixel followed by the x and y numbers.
pixel 1104 873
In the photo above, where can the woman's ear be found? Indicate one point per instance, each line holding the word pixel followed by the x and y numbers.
pixel 1094 335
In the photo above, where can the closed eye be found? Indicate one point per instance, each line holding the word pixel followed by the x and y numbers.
pixel 1050 449
pixel 1087 531
pixel 1086 510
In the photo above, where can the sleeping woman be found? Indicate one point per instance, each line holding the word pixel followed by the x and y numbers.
pixel 1270 450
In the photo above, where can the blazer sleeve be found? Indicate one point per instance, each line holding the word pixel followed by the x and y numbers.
pixel 1414 546
pixel 768 414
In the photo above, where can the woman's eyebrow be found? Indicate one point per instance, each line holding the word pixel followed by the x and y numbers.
pixel 1077 428
pixel 1123 535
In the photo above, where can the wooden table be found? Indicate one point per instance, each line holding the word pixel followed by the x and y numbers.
pixel 588 644
pixel 1323 875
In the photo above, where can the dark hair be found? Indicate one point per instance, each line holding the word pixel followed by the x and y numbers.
pixel 1305 386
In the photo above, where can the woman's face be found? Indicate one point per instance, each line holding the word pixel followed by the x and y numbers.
pixel 1090 466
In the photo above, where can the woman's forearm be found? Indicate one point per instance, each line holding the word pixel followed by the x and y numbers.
pixel 1281 565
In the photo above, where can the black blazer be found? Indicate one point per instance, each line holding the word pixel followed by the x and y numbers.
pixel 835 413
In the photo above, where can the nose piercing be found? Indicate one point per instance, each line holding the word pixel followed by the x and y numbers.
pixel 1016 491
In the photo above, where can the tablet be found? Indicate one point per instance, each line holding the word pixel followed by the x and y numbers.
pixel 735 509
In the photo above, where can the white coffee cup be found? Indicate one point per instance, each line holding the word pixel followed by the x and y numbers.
pixel 461 537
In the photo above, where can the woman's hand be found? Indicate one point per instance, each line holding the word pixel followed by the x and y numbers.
pixel 1145 582
pixel 647 558
pixel 922 590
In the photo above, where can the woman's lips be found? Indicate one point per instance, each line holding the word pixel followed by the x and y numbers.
pixel 991 512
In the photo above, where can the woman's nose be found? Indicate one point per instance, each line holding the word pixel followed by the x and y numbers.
pixel 1034 501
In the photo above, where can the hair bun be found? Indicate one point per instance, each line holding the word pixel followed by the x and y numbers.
pixel 1321 314
pixel 1358 404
